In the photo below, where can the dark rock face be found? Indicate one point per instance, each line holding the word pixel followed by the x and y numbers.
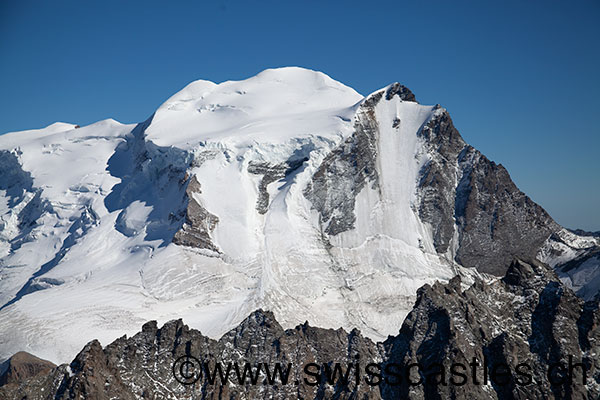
pixel 396 89
pixel 497 222
pixel 516 328
pixel 528 318
pixel 271 173
pixel 438 178
pixel 199 222
pixel 345 171
pixel 23 366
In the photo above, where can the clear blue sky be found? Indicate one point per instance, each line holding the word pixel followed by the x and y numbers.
pixel 520 78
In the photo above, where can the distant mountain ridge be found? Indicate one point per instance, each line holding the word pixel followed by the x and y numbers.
pixel 287 191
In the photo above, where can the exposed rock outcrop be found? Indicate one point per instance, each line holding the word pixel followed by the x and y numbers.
pixel 345 171
pixel 396 89
pixel 438 182
pixel 271 173
pixel 464 191
pixel 23 366
pixel 199 222
pixel 527 318
pixel 496 221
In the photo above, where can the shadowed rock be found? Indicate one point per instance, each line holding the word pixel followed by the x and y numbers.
pixel 199 222
pixel 345 171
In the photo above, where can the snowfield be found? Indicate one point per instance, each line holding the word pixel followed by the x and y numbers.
pixel 87 218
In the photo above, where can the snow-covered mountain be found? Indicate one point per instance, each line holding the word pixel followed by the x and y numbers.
pixel 287 191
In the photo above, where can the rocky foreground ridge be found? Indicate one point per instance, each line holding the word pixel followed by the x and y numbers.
pixel 519 326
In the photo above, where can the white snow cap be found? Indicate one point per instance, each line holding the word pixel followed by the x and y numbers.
pixel 273 106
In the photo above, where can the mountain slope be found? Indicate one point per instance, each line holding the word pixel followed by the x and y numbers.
pixel 287 191
pixel 501 352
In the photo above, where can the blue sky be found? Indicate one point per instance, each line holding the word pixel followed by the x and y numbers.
pixel 520 78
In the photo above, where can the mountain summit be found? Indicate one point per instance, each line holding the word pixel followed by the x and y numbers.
pixel 287 191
